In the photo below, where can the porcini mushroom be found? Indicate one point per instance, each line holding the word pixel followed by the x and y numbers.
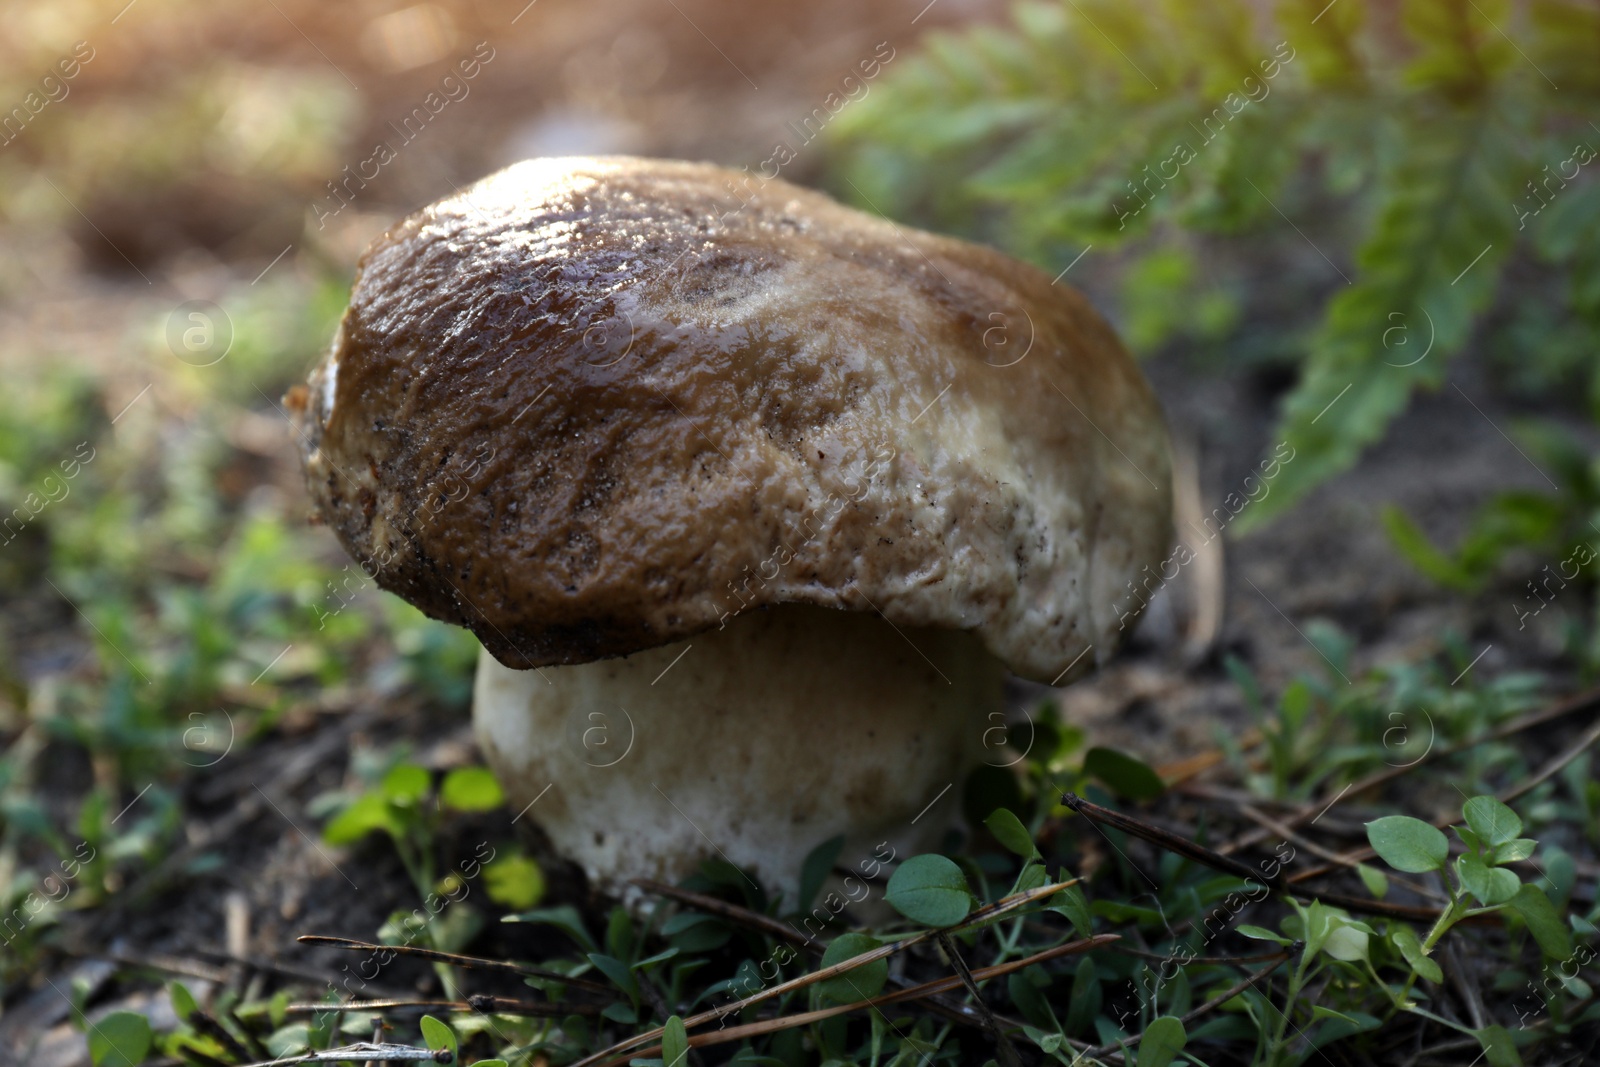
pixel 751 498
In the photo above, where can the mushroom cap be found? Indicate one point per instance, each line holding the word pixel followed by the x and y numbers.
pixel 594 405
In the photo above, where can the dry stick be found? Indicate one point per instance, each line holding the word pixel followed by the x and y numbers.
pixel 1551 768
pixel 1556 763
pixel 768 925
pixel 481 1003
pixel 927 989
pixel 1129 950
pixel 1464 990
pixel 476 962
pixel 377 1036
pixel 1268 822
pixel 364 1051
pixel 1008 1052
pixel 1200 854
pixel 1578 702
pixel 716 906
pixel 1210 1005
pixel 263 965
pixel 1162 838
pixel 1288 833
pixel 169 965
pixel 982 915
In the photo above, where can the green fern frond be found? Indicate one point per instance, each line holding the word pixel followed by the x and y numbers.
pixel 1327 36
pixel 1393 147
pixel 1427 270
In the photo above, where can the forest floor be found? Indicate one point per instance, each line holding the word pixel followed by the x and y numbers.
pixel 577 84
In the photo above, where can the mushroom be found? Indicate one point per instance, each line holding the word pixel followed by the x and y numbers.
pixel 751 499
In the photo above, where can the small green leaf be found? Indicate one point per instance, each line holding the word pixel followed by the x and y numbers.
pixel 1046 1041
pixel 1032 876
pixel 1544 922
pixel 1490 885
pixel 1376 881
pixel 285 1041
pixel 1258 933
pixel 1163 1039
pixel 1316 923
pixel 183 1002
pixel 1245 679
pixel 1514 851
pixel 1560 870
pixel 1408 844
pixel 695 933
pixel 471 789
pixel 819 861
pixel 438 1035
pixel 929 889
pixel 514 881
pixel 1030 1002
pixel 1119 913
pixel 1499 1049
pixel 674 1043
pixel 1009 831
pixel 370 812
pixel 620 934
pixel 1122 774
pixel 1492 821
pixel 1346 941
pixel 859 983
pixel 121 1039
pixel 619 973
pixel 1409 945
pixel 660 957
pixel 452 929
pixel 407 784
pixel 564 917
pixel 1072 904
pixel 1085 998
pixel 490 1063
pixel 1422 554
pixel 278 1007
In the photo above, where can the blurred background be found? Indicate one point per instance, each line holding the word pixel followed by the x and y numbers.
pixel 1363 235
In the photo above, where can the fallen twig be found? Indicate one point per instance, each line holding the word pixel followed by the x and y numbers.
pixel 1210 1005
pixel 481 1003
pixel 1268 822
pixel 475 962
pixel 1183 846
pixel 716 906
pixel 1008 1053
pixel 982 915
pixel 768 925
pixel 789 1022
pixel 1125 949
pixel 365 1050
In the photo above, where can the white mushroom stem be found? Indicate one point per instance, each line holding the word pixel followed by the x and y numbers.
pixel 753 743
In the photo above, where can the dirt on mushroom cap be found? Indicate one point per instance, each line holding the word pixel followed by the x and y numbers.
pixel 591 406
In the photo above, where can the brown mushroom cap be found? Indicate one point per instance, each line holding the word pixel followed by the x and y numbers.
pixel 594 405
